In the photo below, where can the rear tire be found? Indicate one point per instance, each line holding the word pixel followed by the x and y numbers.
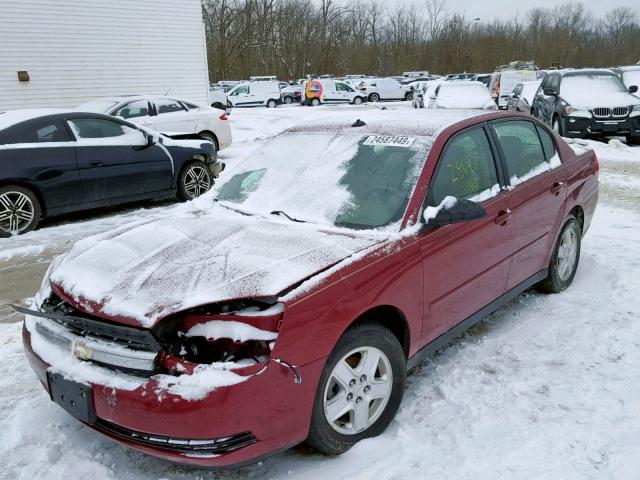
pixel 194 180
pixel 409 96
pixel 272 103
pixel 315 102
pixel 363 383
pixel 288 100
pixel 374 97
pixel 565 258
pixel 211 138
pixel 20 210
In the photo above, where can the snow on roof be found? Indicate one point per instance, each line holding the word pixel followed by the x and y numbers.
pixel 390 121
pixel 9 118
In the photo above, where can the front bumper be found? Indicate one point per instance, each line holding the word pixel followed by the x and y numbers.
pixel 581 127
pixel 231 426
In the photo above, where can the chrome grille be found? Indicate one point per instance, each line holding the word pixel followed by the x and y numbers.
pixel 621 111
pixel 602 112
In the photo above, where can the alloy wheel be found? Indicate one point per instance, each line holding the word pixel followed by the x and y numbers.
pixel 16 212
pixel 567 254
pixel 358 390
pixel 196 181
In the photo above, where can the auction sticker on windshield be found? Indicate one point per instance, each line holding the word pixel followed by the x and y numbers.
pixel 390 141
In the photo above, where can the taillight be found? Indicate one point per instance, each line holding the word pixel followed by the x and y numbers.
pixel 224 116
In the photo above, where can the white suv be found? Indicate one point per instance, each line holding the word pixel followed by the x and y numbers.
pixel 172 117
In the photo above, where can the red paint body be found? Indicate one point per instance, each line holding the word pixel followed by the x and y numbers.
pixel 434 280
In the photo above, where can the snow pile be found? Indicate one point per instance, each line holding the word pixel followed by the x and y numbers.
pixel 204 380
pixel 236 331
pixel 431 212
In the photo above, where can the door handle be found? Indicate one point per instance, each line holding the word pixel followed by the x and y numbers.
pixel 503 217
pixel 557 188
pixel 97 164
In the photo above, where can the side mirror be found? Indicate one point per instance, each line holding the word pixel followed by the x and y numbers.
pixel 453 210
pixel 633 89
pixel 151 141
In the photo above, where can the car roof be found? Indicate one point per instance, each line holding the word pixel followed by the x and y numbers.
pixel 463 83
pixel 583 71
pixel 391 121
pixel 11 117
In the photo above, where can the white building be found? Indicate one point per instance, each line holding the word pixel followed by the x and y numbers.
pixel 60 53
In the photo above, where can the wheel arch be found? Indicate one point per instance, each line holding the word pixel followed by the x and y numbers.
pixel 578 212
pixel 390 317
pixel 31 187
pixel 215 137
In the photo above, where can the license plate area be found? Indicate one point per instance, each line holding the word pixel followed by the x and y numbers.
pixel 74 397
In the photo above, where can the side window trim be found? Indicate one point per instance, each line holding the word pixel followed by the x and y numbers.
pixel 436 170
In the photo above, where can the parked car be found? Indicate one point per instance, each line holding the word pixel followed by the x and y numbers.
pixel 461 94
pixel 630 76
pixel 54 162
pixel 424 90
pixel 294 306
pixel 504 81
pixel 291 94
pixel 385 89
pixel 218 93
pixel 332 91
pixel 484 78
pixel 521 99
pixel 258 93
pixel 588 103
pixel 172 117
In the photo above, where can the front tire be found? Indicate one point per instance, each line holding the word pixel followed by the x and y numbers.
pixel 315 102
pixel 360 389
pixel 20 210
pixel 631 140
pixel 357 101
pixel 565 258
pixel 409 96
pixel 194 180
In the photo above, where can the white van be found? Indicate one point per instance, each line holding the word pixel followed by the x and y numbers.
pixel 255 94
pixel 503 82
pixel 385 89
pixel 330 91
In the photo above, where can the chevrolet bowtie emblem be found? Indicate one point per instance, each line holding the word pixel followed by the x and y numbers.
pixel 81 351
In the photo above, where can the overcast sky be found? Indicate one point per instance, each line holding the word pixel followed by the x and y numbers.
pixel 489 9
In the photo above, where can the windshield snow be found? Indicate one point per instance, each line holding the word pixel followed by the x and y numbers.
pixel 347 180
pixel 587 84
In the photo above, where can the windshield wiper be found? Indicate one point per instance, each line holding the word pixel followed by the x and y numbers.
pixel 284 214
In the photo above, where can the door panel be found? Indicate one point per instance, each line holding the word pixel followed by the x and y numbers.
pixel 465 265
pixel 116 163
pixel 173 118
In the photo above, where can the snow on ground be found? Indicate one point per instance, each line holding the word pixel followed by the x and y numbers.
pixel 548 387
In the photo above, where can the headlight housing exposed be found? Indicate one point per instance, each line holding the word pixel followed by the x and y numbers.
pixel 635 110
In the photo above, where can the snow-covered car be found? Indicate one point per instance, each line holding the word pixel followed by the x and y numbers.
pixel 588 103
pixel 630 76
pixel 521 99
pixel 55 161
pixel 292 306
pixel 380 89
pixel 423 90
pixel 175 118
pixel 461 94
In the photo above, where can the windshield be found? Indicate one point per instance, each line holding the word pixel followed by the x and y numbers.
pixel 98 106
pixel 587 84
pixel 632 77
pixel 348 180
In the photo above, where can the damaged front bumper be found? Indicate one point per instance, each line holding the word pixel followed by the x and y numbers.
pixel 228 426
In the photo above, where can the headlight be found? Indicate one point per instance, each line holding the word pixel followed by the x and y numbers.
pixel 635 108
pixel 576 111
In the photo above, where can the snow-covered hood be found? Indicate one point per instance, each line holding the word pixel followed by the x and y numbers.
pixel 148 271
pixel 589 100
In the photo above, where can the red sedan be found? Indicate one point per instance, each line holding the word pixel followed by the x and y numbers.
pixel 291 306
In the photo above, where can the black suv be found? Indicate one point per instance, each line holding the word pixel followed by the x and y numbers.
pixel 588 103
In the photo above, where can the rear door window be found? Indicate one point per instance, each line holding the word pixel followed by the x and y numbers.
pixel 523 152
pixel 466 169
pixel 139 108
pixel 165 105
pixel 108 131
